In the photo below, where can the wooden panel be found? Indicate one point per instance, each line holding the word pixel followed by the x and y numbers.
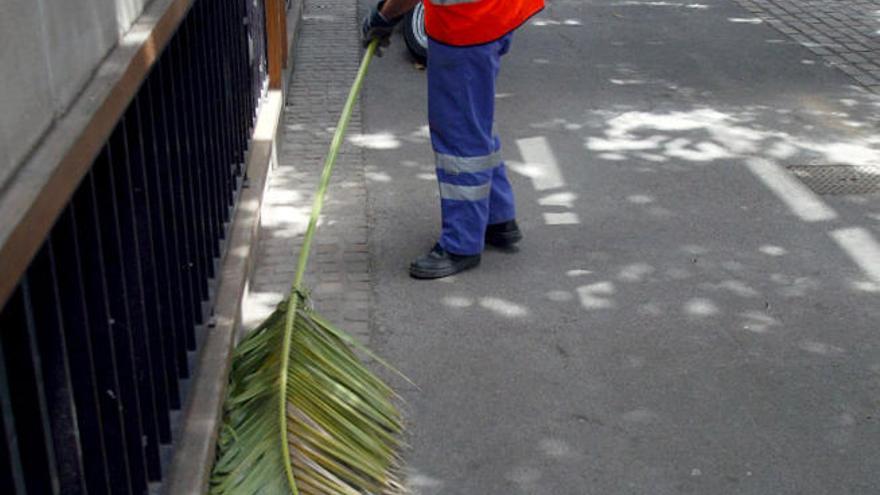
pixel 276 38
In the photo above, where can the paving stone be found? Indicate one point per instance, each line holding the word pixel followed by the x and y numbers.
pixel 358 277
pixel 855 58
pixel 358 248
pixel 819 50
pixel 356 257
pixel 329 288
pixel 330 277
pixel 867 80
pixel 358 328
pixel 357 266
pixel 271 287
pixel 849 69
pixel 327 248
pixel 356 315
pixel 357 296
pixel 286 269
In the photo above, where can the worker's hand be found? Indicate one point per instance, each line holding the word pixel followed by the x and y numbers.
pixel 377 26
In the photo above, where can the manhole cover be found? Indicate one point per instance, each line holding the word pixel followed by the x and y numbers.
pixel 838 179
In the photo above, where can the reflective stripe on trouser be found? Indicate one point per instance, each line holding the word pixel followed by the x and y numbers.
pixel 474 189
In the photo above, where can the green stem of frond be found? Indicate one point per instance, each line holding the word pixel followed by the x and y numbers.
pixel 292 304
pixel 296 297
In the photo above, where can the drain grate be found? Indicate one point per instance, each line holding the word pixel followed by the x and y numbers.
pixel 838 179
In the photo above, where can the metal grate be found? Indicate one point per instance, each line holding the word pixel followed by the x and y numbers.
pixel 838 179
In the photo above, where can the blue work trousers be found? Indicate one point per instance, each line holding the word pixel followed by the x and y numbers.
pixel 474 189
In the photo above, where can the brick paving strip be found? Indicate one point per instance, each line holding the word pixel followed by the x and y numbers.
pixel 845 33
pixel 327 58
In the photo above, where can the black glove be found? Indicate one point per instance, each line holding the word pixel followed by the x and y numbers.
pixel 377 26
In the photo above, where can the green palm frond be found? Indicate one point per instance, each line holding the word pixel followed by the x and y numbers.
pixel 302 414
pixel 339 431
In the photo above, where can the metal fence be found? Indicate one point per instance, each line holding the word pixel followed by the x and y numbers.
pixel 99 338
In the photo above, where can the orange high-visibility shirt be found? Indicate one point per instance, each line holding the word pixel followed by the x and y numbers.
pixel 474 22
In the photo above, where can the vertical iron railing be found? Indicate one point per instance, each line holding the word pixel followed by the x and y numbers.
pixel 102 330
pixel 256 42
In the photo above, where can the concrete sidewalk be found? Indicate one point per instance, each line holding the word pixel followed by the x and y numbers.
pixel 685 315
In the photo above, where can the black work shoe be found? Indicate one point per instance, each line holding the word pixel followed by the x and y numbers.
pixel 503 235
pixel 440 263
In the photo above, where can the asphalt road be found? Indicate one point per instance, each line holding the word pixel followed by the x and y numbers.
pixel 684 315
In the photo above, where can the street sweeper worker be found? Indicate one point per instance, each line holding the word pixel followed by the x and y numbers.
pixel 466 40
